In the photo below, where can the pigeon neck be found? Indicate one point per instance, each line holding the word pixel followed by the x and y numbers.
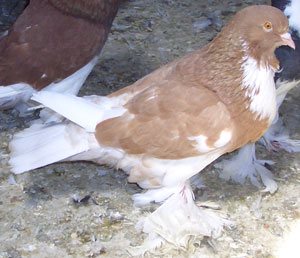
pixel 259 87
pixel 265 58
pixel 248 81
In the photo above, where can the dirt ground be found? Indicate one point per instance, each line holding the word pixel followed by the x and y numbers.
pixel 38 215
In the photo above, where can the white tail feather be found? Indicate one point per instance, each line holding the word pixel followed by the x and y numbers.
pixel 13 94
pixel 41 145
pixel 72 84
pixel 7 92
pixel 79 110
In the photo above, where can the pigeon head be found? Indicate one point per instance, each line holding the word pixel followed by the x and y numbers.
pixel 261 29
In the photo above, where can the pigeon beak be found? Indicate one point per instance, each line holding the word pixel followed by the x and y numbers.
pixel 287 39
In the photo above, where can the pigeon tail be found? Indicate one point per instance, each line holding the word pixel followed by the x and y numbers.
pixel 12 95
pixel 41 145
pixel 81 111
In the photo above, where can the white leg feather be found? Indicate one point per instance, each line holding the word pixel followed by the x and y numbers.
pixel 245 165
pixel 155 195
pixel 179 219
pixel 277 137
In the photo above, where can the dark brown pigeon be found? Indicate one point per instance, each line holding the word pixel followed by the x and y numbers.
pixel 53 45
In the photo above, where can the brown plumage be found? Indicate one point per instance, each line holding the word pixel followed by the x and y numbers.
pixel 99 11
pixel 51 40
pixel 191 90
pixel 245 165
pixel 172 123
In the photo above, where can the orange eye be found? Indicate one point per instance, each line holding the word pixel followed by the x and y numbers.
pixel 268 26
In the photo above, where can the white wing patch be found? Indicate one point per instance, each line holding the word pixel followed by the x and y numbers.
pixel 225 137
pixel 201 145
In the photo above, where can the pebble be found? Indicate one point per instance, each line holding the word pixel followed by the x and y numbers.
pixel 11 180
pixel 74 235
pixel 101 172
pixel 202 24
